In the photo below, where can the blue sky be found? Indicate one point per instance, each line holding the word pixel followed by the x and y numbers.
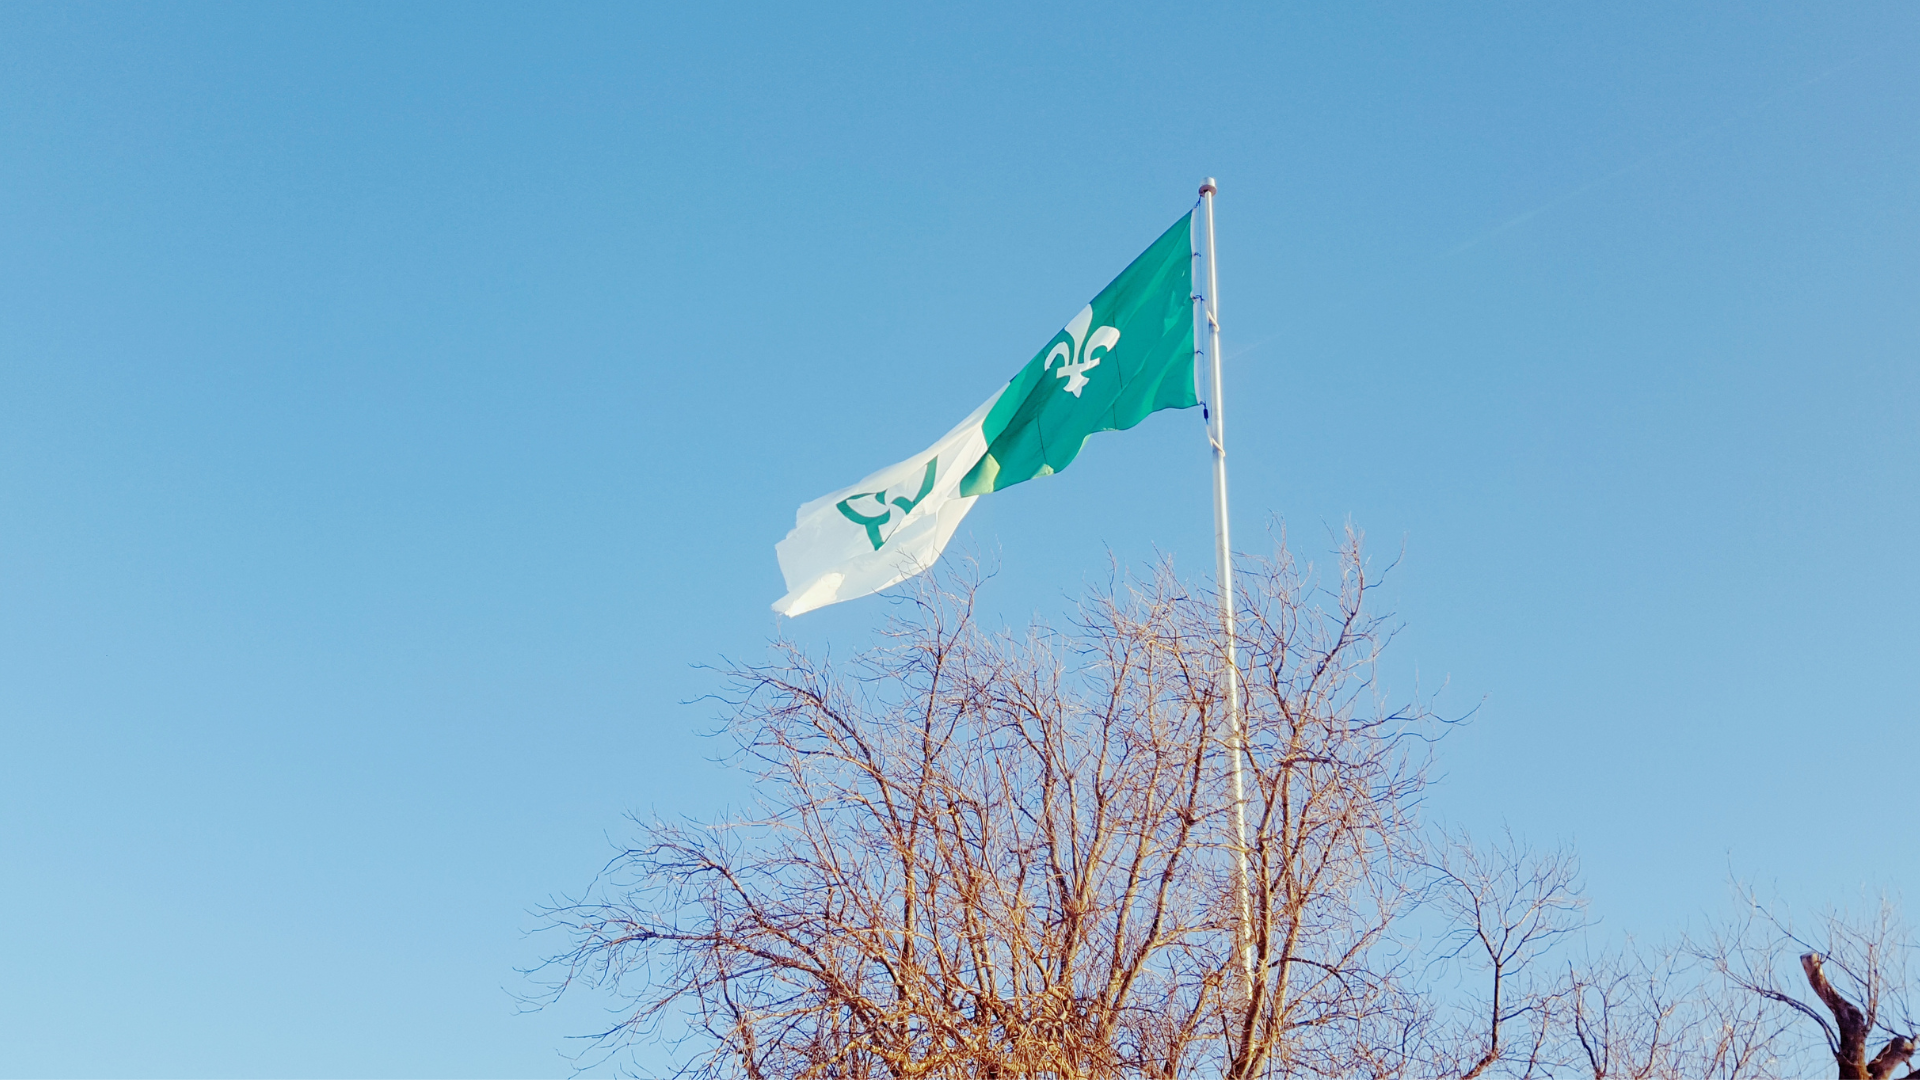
pixel 397 403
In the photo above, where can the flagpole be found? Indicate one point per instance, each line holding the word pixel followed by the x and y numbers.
pixel 1235 740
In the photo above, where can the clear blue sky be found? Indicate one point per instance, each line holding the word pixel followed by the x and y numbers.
pixel 396 402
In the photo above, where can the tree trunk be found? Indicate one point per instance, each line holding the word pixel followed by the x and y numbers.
pixel 1854 1027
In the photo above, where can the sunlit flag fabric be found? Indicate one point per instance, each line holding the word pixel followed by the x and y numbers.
pixel 1126 354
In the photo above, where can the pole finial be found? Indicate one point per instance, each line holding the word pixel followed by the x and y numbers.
pixel 1206 186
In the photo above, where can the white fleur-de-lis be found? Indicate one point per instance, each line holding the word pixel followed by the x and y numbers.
pixel 1077 357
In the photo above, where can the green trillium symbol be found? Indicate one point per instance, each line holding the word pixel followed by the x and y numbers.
pixel 872 522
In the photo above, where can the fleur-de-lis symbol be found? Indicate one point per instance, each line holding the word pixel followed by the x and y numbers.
pixel 885 506
pixel 1078 356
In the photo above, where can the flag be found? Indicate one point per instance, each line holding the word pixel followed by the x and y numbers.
pixel 1126 354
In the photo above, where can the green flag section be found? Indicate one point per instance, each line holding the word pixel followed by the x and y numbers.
pixel 1126 354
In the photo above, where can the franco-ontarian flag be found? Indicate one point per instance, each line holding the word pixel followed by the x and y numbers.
pixel 1128 353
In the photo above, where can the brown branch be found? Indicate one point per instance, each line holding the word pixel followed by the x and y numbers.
pixel 1896 1053
pixel 1850 1052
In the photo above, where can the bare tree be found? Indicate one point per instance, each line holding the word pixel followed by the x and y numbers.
pixel 1627 1015
pixel 979 854
pixel 967 862
pixel 1859 970
pixel 1658 1012
pixel 1507 906
pixel 984 854
pixel 1333 842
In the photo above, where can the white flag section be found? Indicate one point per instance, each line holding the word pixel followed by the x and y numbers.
pixel 882 530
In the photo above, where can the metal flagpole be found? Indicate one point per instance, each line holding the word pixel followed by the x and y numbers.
pixel 1235 740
